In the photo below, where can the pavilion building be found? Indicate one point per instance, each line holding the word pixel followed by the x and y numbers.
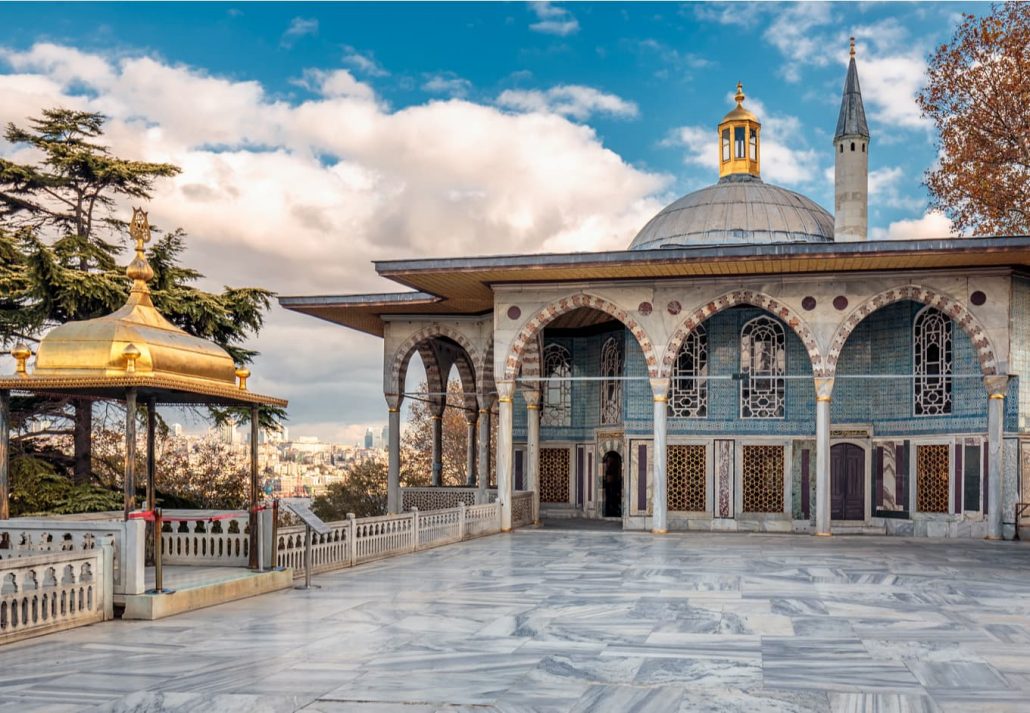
pixel 750 362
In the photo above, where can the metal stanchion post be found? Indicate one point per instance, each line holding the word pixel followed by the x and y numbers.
pixel 159 587
pixel 307 559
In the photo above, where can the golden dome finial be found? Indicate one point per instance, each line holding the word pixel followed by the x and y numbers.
pixel 139 269
pixel 740 94
pixel 242 373
pixel 132 355
pixel 852 46
pixel 21 354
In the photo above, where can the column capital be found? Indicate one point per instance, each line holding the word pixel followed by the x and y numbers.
pixel 823 388
pixel 532 399
pixel 660 388
pixel 997 386
pixel 394 401
pixel 505 391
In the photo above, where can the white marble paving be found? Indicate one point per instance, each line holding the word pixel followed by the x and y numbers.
pixel 544 621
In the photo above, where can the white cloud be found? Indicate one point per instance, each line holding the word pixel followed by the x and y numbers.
pixel 299 27
pixel 447 83
pixel 553 20
pixel 299 197
pixel 792 32
pixel 741 14
pixel 932 224
pixel 572 100
pixel 335 83
pixel 364 63
pixel 889 87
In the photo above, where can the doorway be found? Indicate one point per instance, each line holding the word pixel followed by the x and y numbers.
pixel 847 482
pixel 611 483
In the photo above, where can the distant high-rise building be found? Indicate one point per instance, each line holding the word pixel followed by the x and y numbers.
pixel 229 434
pixel 177 430
pixel 386 436
pixel 369 438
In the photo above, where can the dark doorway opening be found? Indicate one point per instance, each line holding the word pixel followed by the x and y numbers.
pixel 847 487
pixel 611 482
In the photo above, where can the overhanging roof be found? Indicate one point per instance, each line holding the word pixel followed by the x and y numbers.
pixel 464 286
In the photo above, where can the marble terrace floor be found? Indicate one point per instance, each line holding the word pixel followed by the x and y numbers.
pixel 579 621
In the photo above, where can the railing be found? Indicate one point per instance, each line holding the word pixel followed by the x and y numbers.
pixel 54 590
pixel 441 498
pixel 222 542
pixel 354 541
pixel 26 536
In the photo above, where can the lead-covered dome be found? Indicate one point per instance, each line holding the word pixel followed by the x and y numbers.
pixel 739 209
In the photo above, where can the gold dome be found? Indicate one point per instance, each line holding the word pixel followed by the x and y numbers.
pixel 135 339
pixel 739 113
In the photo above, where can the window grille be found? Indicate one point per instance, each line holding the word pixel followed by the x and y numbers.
pixel 932 478
pixel 763 363
pixel 611 385
pixel 762 478
pixel 931 336
pixel 557 406
pixel 688 392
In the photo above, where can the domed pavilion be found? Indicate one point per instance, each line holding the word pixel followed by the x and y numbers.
pixel 752 362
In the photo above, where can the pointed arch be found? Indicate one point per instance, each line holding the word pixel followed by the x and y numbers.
pixel 732 299
pixel 529 332
pixel 953 308
pixel 419 341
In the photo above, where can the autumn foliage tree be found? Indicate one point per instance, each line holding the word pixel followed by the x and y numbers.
pixel 978 96
pixel 417 442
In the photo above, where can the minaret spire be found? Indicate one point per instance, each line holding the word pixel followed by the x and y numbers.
pixel 851 162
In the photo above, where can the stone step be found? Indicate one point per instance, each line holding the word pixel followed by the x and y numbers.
pixel 858 529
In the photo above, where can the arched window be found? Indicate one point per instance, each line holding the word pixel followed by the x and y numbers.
pixel 611 385
pixel 725 145
pixel 852 145
pixel 688 392
pixel 557 406
pixel 842 147
pixel 763 362
pixel 931 340
pixel 754 145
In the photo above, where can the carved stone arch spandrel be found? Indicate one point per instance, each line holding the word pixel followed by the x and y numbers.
pixel 723 302
pixel 417 341
pixel 954 308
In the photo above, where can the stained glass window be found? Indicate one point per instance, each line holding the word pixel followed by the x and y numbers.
pixel 931 337
pixel 688 392
pixel 763 362
pixel 611 385
pixel 557 406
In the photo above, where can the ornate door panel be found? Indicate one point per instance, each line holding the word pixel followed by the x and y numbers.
pixel 847 482
pixel 554 475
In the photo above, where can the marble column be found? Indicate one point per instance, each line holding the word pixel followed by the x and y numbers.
pixel 823 396
pixel 997 388
pixel 129 484
pixel 505 390
pixel 470 440
pixel 533 449
pixel 483 471
pixel 393 478
pixel 255 490
pixel 437 408
pixel 659 502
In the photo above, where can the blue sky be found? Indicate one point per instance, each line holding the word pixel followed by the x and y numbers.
pixel 316 137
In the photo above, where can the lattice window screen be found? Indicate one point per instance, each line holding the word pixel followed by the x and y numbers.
pixel 611 386
pixel 763 478
pixel 557 406
pixel 688 392
pixel 932 478
pixel 687 476
pixel 554 475
pixel 763 362
pixel 931 337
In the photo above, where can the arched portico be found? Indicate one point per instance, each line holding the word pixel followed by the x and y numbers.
pixel 736 298
pixel 986 359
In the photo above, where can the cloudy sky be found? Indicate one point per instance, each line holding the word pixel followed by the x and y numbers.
pixel 315 138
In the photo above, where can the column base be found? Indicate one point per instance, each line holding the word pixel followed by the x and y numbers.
pixel 824 534
pixel 994 538
pixel 656 531
pixel 505 529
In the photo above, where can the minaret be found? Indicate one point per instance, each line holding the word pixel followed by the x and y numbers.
pixel 851 155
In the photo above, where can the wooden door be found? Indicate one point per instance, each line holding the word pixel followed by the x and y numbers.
pixel 847 482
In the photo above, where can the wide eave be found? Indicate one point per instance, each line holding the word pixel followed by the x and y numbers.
pixel 464 286
pixel 161 389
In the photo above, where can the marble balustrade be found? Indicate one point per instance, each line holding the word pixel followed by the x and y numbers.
pixel 206 542
pixel 22 536
pixel 356 540
pixel 43 592
pixel 440 498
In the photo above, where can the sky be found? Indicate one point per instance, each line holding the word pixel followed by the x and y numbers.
pixel 315 138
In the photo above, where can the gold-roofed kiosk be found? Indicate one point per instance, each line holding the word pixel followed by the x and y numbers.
pixel 133 355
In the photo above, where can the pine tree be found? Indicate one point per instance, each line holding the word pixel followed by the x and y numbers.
pixel 60 244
